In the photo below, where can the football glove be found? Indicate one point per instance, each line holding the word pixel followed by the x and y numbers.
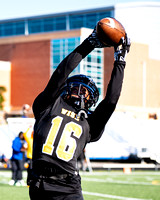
pixel 120 53
pixel 94 40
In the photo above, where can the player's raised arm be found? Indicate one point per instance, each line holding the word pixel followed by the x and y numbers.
pixel 60 75
pixel 105 108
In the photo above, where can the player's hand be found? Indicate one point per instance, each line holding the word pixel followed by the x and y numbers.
pixel 94 40
pixel 120 53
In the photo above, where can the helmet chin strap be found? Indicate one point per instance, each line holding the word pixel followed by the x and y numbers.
pixel 82 111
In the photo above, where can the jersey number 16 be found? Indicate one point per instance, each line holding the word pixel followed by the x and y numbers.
pixel 67 143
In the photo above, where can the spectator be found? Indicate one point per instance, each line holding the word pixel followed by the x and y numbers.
pixel 25 110
pixel 17 161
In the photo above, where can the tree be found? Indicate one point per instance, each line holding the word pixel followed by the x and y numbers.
pixel 2 89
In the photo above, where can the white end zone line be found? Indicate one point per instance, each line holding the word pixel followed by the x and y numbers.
pixel 111 196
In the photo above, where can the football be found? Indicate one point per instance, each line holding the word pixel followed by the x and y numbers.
pixel 110 31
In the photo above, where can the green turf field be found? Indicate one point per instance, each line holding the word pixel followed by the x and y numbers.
pixel 106 185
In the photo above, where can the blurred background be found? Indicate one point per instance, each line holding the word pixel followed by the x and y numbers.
pixel 36 35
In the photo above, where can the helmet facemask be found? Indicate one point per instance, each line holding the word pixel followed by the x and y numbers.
pixel 80 91
pixel 79 95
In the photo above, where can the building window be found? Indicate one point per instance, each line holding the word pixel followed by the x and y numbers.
pixel 35 26
pixel 60 48
pixel 60 23
pixel 10 29
pixel 93 67
pixel 19 28
pixel 87 19
pixel 48 24
pixel 76 21
pixel 91 20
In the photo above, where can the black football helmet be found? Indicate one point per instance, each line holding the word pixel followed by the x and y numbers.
pixel 79 83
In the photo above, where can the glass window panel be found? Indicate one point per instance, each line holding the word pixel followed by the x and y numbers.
pixel 19 31
pixel 63 48
pixel 60 19
pixel 91 20
pixel 99 83
pixel 1 31
pixel 35 26
pixel 102 15
pixel 99 59
pixel 48 24
pixel 8 25
pixel 8 29
pixel 76 21
pixel 61 26
pixel 71 40
pixel 56 41
pixel 93 68
pixel 15 28
pixel 60 23
pixel 56 45
pixel 56 59
pixel 19 28
pixel 48 20
pixel 89 58
pixel 54 67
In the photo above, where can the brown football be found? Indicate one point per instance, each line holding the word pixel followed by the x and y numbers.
pixel 110 31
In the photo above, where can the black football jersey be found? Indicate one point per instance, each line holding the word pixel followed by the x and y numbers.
pixel 60 135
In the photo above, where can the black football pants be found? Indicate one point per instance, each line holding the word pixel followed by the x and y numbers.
pixel 37 193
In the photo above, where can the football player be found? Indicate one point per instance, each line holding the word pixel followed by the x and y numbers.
pixel 64 123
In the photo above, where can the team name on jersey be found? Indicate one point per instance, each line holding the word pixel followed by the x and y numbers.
pixel 70 114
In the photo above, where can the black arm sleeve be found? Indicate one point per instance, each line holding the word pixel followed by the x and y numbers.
pixel 58 78
pixel 104 110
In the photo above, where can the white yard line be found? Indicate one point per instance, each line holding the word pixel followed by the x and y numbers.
pixel 9 173
pixel 113 181
pixel 111 196
pixel 119 173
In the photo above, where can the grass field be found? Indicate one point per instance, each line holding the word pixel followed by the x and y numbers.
pixel 101 185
